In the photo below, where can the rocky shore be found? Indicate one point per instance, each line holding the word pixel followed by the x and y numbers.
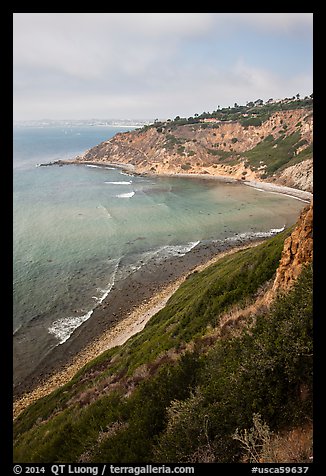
pixel 124 312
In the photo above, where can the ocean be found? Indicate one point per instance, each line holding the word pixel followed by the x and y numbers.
pixel 78 230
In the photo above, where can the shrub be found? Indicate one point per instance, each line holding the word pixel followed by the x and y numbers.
pixel 273 359
pixel 254 440
pixel 260 445
pixel 251 121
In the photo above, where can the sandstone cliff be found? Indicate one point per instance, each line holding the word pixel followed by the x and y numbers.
pixel 277 150
pixel 297 252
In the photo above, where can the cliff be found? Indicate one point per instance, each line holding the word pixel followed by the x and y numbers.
pixel 277 149
pixel 297 252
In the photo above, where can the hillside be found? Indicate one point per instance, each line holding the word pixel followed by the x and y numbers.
pixel 229 353
pixel 270 143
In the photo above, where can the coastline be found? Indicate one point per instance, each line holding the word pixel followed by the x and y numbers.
pixel 127 309
pixel 119 333
pixel 275 188
pixel 263 186
pixel 271 187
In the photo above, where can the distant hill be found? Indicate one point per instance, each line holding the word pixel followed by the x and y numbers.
pixel 270 142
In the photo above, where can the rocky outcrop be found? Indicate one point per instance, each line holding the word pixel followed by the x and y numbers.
pixel 297 252
pixel 298 176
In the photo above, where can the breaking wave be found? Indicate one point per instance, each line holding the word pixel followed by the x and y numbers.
pixel 64 327
pixel 119 183
pixel 255 234
pixel 125 195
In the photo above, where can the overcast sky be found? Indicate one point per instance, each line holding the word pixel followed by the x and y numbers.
pixel 156 65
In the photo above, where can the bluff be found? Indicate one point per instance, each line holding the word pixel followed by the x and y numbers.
pixel 297 252
pixel 264 144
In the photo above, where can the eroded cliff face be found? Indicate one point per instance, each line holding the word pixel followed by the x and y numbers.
pixel 297 176
pixel 279 150
pixel 297 252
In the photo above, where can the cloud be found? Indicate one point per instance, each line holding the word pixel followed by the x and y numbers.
pixel 83 43
pixel 285 23
pixel 88 65
pixel 185 98
pixel 290 24
pixel 43 41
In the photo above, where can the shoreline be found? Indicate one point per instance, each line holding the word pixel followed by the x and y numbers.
pixel 284 190
pixel 127 309
pixel 271 187
pixel 119 333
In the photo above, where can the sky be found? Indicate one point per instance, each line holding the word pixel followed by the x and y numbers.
pixel 156 65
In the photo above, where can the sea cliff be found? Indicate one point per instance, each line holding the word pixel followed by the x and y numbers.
pixel 276 150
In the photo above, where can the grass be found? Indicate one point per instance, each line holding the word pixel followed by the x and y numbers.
pixel 220 154
pixel 171 141
pixel 67 423
pixel 305 154
pixel 277 153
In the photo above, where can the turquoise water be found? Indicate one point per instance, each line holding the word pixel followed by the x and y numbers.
pixel 78 229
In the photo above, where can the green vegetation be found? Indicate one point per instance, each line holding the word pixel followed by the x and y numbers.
pixel 273 154
pixel 277 153
pixel 251 121
pixel 171 141
pixel 304 154
pixel 221 154
pixel 186 166
pixel 261 372
pixel 186 393
pixel 252 114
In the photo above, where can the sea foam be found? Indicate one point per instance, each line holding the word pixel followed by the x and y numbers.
pixel 63 328
pixel 125 195
pixel 178 250
pixel 119 183
pixel 254 234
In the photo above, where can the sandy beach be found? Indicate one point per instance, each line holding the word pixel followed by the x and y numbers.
pixel 274 188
